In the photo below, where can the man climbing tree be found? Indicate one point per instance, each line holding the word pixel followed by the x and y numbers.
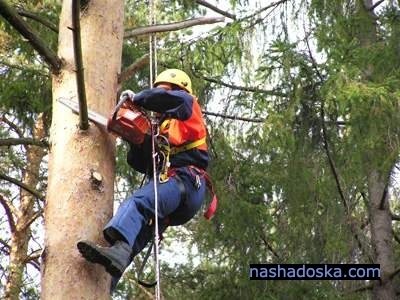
pixel 181 176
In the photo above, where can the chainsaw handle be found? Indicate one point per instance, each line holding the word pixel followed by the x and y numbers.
pixel 121 101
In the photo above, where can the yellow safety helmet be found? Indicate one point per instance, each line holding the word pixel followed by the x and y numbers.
pixel 175 76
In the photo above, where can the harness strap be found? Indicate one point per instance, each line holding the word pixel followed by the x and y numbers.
pixel 210 212
pixel 199 142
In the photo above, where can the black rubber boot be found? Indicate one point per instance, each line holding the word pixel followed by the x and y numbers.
pixel 115 259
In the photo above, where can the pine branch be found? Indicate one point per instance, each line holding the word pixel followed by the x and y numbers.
pixel 12 125
pixel 216 9
pixel 80 78
pixel 172 26
pixel 233 117
pixel 375 5
pixel 269 247
pixel 133 68
pixel 22 141
pixel 41 20
pixel 11 15
pixel 272 5
pixel 243 88
pixel 22 185
pixel 395 217
pixel 5 245
pixel 335 174
pixel 395 236
pixel 23 68
pixel 8 209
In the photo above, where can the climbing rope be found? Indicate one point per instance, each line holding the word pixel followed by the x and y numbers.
pixel 154 134
pixel 152 43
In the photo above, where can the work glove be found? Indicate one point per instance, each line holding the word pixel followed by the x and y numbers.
pixel 127 93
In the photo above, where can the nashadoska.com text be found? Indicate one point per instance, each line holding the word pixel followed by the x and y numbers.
pixel 314 271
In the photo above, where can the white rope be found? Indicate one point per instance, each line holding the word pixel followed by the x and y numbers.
pixel 154 129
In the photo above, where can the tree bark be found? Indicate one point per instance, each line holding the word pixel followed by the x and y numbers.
pixel 25 212
pixel 381 236
pixel 75 208
pixel 379 211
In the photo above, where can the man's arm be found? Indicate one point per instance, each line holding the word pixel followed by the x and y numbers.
pixel 175 104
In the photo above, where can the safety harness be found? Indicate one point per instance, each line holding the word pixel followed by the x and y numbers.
pixel 165 150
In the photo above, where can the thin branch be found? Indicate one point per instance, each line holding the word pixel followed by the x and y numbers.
pixel 12 125
pixel 216 9
pixel 8 209
pixel 264 9
pixel 269 247
pixel 331 162
pixel 11 15
pixel 41 20
pixel 32 219
pixel 335 174
pixel 24 68
pixel 233 117
pixel 5 245
pixel 29 189
pixel 396 237
pixel 23 141
pixel 376 5
pixel 172 26
pixel 243 88
pixel 133 68
pixel 395 217
pixel 80 78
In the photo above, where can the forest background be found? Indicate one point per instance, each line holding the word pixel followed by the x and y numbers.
pixel 301 100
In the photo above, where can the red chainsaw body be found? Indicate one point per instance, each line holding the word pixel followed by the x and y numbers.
pixel 130 124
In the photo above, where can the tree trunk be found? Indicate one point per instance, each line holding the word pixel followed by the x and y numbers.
pixel 77 207
pixel 381 236
pixel 379 211
pixel 21 236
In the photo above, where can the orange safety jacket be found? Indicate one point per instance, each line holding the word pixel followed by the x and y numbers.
pixel 184 135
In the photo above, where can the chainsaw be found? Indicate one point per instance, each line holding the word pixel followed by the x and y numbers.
pixel 128 122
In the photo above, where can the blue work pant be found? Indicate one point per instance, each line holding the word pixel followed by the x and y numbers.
pixel 133 215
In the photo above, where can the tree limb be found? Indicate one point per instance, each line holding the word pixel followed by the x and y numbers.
pixel 41 20
pixel 172 26
pixel 233 117
pixel 11 15
pixel 395 236
pixel 133 68
pixel 12 125
pixel 80 77
pixel 23 68
pixel 375 5
pixel 395 217
pixel 264 9
pixel 32 219
pixel 216 9
pixel 5 245
pixel 22 141
pixel 243 88
pixel 29 189
pixel 8 209
pixel 335 174
pixel 269 247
